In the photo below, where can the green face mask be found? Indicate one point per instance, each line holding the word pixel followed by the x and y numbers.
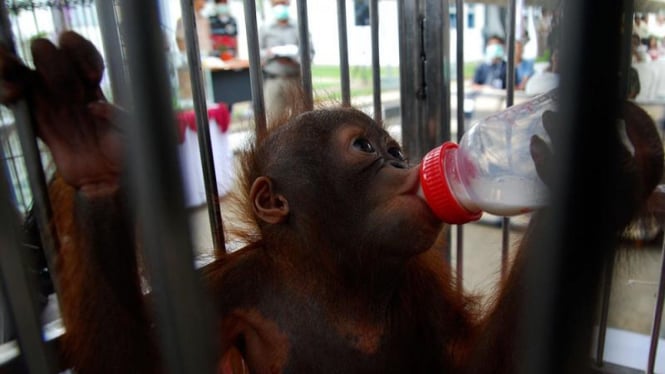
pixel 222 9
pixel 280 12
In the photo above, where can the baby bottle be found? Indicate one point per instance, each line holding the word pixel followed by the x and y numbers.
pixel 491 169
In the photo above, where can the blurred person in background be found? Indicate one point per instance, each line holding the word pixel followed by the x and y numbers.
pixel 546 80
pixel 202 30
pixel 205 48
pixel 224 31
pixel 492 72
pixel 524 67
pixel 641 27
pixel 279 44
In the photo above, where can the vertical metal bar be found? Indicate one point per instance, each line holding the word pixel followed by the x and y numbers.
pixel 9 154
pixel 376 62
pixel 459 257
pixel 345 76
pixel 72 16
pixel 624 63
pixel 435 62
pixel 626 43
pixel 435 55
pixel 82 10
pixel 20 287
pixel 657 315
pixel 411 95
pixel 505 245
pixel 86 10
pixel 203 125
pixel 425 90
pixel 24 48
pixel 564 267
pixel 255 73
pixel 305 53
pixel 33 161
pixel 608 275
pixel 60 22
pixel 34 18
pixel 459 8
pixel 113 52
pixel 510 39
pixel 459 67
pixel 510 98
pixel 184 316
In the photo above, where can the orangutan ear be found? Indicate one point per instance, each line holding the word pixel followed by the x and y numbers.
pixel 268 206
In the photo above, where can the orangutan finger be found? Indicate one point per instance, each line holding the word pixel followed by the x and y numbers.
pixel 84 56
pixel 542 159
pixel 56 72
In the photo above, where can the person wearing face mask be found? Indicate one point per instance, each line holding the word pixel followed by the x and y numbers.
pixel 202 30
pixel 205 48
pixel 279 44
pixel 492 71
pixel 224 31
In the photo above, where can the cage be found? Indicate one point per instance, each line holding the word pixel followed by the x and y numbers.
pixel 407 64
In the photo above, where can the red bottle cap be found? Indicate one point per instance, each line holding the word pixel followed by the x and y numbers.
pixel 437 191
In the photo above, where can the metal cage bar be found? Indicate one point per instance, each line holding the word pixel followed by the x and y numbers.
pixel 411 80
pixel 376 60
pixel 566 261
pixel 566 239
pixel 657 316
pixel 203 125
pixel 20 287
pixel 459 70
pixel 184 316
pixel 510 98
pixel 255 73
pixel 608 272
pixel 305 53
pixel 343 53
pixel 113 51
pixel 35 169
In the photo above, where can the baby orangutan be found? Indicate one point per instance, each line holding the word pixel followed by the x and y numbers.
pixel 339 274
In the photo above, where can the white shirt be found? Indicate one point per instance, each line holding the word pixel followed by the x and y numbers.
pixel 203 33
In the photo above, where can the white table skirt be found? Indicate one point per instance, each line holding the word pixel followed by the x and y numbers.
pixel 192 170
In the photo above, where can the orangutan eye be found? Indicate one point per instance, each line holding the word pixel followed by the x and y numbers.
pixel 397 153
pixel 363 145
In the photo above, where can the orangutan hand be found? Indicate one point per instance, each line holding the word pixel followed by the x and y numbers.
pixel 541 153
pixel 70 112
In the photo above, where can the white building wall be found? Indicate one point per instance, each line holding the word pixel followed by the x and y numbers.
pixel 323 28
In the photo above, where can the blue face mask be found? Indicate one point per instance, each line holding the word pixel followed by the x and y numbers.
pixel 280 12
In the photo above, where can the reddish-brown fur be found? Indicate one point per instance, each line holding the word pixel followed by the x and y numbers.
pixel 340 273
pixel 108 328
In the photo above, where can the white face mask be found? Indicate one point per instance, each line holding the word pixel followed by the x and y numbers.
pixel 280 12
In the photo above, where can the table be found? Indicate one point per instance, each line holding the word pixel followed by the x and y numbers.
pixel 190 157
pixel 230 80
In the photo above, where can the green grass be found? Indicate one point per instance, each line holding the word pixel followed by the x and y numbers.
pixel 326 78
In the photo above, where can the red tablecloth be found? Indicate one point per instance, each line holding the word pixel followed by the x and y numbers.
pixel 190 155
pixel 187 119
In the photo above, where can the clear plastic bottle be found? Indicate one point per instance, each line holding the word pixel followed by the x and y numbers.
pixel 491 169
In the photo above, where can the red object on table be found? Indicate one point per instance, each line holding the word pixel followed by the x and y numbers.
pixel 187 119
